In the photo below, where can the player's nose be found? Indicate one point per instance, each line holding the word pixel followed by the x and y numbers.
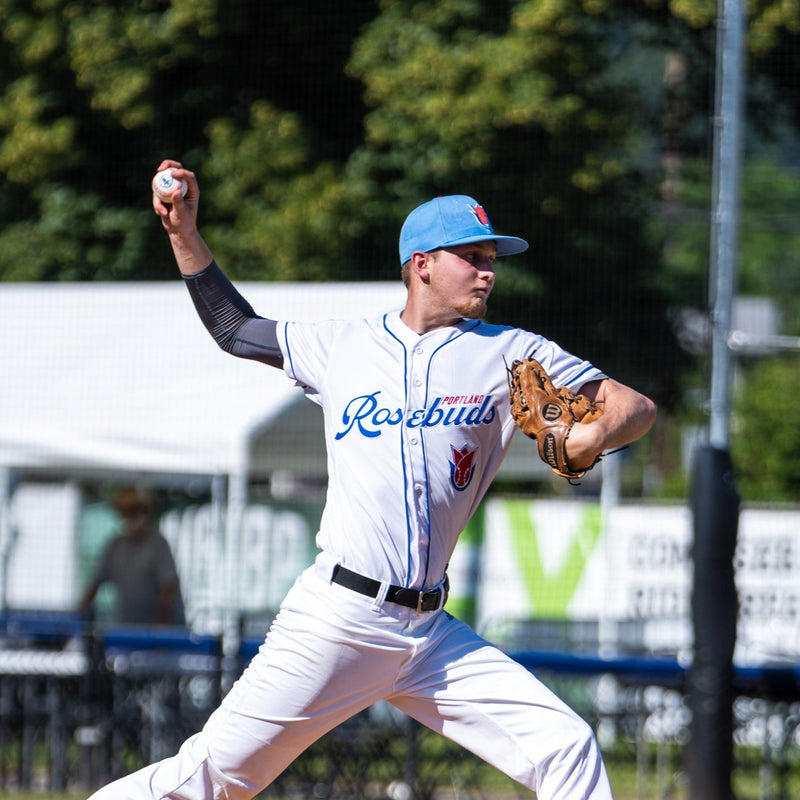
pixel 486 268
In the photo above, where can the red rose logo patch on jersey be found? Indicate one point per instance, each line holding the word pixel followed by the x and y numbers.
pixel 462 467
pixel 482 216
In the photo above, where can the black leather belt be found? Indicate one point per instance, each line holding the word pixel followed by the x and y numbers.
pixel 411 598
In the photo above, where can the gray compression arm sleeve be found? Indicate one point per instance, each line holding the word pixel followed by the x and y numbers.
pixel 230 319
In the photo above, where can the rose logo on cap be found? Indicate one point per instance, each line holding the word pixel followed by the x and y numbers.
pixel 483 217
pixel 449 221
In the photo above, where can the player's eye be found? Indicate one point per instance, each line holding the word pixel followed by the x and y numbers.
pixel 478 256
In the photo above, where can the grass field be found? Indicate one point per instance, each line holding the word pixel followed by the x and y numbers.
pixel 664 782
pixel 445 772
pixel 626 784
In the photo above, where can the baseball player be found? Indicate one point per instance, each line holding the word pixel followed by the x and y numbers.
pixel 417 421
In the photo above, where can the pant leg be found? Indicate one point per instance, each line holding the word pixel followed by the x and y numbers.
pixel 472 693
pixel 320 664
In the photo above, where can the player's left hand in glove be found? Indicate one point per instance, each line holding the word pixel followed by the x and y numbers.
pixel 547 414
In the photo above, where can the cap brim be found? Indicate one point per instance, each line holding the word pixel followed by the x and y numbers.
pixel 506 245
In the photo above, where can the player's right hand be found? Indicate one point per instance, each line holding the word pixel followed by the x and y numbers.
pixel 179 219
pixel 180 216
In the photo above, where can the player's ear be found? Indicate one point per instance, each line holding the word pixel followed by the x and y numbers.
pixel 420 265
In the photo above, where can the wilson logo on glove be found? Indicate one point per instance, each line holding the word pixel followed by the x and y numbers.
pixel 551 412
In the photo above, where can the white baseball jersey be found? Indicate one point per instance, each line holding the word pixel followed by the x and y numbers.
pixel 416 428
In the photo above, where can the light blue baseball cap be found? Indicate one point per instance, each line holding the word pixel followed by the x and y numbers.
pixel 449 221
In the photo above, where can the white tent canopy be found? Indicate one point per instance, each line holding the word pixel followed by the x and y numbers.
pixel 124 377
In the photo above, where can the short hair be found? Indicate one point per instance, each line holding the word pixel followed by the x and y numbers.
pixel 405 273
pixel 131 500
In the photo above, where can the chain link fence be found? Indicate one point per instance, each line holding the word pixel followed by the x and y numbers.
pixel 80 707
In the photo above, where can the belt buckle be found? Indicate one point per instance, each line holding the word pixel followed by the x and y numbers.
pixel 434 594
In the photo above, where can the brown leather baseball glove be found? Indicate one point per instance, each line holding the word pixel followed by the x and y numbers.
pixel 547 414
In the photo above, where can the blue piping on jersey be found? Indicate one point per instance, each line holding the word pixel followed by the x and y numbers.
pixel 288 347
pixel 587 368
pixel 402 453
pixel 422 440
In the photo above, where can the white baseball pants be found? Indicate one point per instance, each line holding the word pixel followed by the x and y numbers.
pixel 331 653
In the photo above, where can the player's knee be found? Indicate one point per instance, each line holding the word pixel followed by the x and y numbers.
pixel 581 752
pixel 571 765
pixel 573 743
pixel 585 739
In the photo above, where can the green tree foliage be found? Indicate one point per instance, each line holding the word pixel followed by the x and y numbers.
pixel 766 435
pixel 767 256
pixel 314 128
pixel 519 107
pixel 768 21
pixel 93 95
pixel 82 124
pixel 277 214
pixel 767 266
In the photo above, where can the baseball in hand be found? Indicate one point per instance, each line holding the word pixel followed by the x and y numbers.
pixel 164 185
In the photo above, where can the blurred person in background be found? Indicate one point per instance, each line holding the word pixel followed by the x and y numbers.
pixel 139 564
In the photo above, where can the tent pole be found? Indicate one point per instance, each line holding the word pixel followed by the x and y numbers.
pixel 236 504
pixel 6 542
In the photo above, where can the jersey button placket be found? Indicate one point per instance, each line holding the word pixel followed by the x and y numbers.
pixel 415 453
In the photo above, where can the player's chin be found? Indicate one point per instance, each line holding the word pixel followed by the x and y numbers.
pixel 475 309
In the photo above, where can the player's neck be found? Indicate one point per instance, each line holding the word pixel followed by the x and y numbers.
pixel 422 323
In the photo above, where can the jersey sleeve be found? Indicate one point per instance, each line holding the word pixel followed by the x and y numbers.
pixel 306 348
pixel 564 368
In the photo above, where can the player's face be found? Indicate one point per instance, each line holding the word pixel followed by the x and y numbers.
pixel 137 523
pixel 463 277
